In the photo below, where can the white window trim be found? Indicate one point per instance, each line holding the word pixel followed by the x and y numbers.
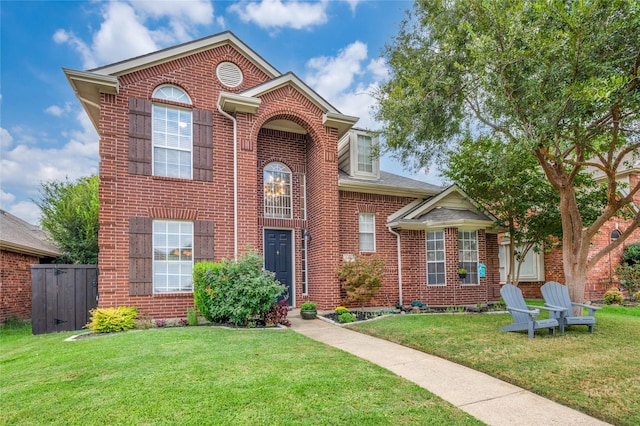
pixel 538 267
pixel 289 187
pixel 477 258
pixel 373 216
pixel 155 262
pixel 427 262
pixel 353 153
pixel 154 146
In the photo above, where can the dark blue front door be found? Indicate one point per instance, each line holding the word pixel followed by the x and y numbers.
pixel 278 258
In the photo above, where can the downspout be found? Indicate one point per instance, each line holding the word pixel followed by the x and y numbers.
pixel 235 179
pixel 399 263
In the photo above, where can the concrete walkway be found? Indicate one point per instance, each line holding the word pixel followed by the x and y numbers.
pixel 486 398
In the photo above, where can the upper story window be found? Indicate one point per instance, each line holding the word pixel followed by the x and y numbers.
pixel 172 134
pixel 277 191
pixel 365 153
pixel 436 272
pixel 367 228
pixel 357 154
pixel 468 255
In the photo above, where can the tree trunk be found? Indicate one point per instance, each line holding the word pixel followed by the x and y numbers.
pixel 575 247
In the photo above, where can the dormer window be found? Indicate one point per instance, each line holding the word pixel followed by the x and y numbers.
pixel 357 157
pixel 365 153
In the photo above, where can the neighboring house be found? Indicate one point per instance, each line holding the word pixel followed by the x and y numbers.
pixel 541 267
pixel 21 245
pixel 206 149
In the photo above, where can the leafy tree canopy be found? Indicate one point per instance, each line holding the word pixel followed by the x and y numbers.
pixel 557 79
pixel 70 216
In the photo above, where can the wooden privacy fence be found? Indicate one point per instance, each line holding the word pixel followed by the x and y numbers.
pixel 62 296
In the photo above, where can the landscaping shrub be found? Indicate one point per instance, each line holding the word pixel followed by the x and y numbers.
pixel 109 320
pixel 613 296
pixel 235 291
pixel 637 296
pixel 629 276
pixel 277 314
pixel 192 316
pixel 341 310
pixel 362 278
pixel 631 254
pixel 346 317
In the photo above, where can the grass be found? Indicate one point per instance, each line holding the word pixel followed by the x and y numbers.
pixel 596 374
pixel 203 375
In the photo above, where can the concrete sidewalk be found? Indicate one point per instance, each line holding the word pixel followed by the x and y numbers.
pixel 486 398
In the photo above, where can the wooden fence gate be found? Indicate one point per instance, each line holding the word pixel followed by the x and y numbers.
pixel 62 296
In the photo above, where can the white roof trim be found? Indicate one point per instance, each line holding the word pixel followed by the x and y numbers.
pixel 186 49
pixel 432 202
pixel 88 86
pixel 231 102
pixel 374 188
pixel 404 210
pixel 441 224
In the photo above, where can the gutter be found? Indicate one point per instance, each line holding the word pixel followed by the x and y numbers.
pixel 235 178
pixel 399 254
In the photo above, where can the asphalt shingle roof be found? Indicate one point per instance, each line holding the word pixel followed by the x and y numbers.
pixel 23 237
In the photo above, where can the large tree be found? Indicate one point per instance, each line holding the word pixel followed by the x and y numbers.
pixel 559 79
pixel 70 216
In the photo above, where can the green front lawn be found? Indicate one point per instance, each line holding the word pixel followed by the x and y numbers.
pixel 594 373
pixel 203 375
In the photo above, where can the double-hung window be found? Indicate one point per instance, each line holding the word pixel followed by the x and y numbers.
pixel 367 227
pixel 172 134
pixel 468 255
pixel 436 272
pixel 277 191
pixel 172 256
pixel 365 153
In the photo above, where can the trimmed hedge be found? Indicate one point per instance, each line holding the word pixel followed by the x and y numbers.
pixel 109 320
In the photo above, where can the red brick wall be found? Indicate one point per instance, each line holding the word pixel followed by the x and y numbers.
pixel 15 284
pixel 413 249
pixel 123 195
pixel 351 205
pixel 602 276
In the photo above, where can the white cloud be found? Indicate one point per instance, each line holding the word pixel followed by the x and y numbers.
pixel 57 111
pixel 330 76
pixel 63 36
pixel 353 4
pixel 27 211
pixel 5 139
pixel 125 31
pixel 277 14
pixel 24 167
pixel 378 67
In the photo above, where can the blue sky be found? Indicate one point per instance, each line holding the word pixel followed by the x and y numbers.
pixel 334 46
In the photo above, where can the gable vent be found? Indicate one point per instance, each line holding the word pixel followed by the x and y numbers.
pixel 229 74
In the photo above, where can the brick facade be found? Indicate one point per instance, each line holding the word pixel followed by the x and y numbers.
pixel 15 284
pixel 131 197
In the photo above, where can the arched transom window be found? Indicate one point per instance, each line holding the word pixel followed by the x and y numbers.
pixel 277 191
pixel 172 134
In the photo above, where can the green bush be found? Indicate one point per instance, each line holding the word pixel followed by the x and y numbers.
pixel 613 296
pixel 637 295
pixel 631 254
pixel 308 306
pixel 361 278
pixel 192 316
pixel 235 291
pixel 629 276
pixel 340 310
pixel 346 317
pixel 109 320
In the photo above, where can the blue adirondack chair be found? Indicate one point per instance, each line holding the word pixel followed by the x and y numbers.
pixel 557 295
pixel 524 316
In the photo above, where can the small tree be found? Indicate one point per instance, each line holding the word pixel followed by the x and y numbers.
pixel 70 216
pixel 362 278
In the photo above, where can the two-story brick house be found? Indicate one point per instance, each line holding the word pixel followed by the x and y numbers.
pixel 206 149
